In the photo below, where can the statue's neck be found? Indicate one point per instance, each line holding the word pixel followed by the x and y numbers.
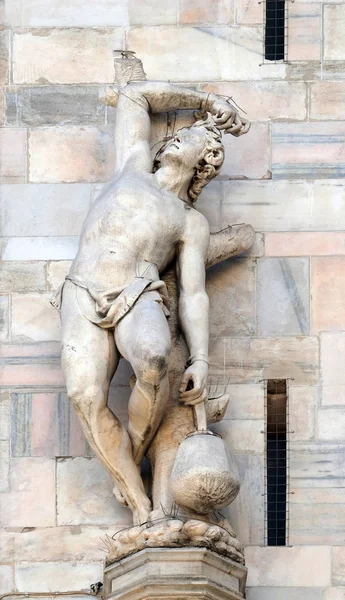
pixel 175 180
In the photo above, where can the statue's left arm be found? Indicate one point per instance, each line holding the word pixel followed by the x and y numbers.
pixel 194 306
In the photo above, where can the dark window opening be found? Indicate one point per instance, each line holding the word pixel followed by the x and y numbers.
pixel 276 462
pixel 275 30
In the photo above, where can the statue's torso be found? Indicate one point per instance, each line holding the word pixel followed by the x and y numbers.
pixel 132 221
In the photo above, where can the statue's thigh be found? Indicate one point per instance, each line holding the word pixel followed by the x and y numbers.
pixel 144 331
pixel 88 353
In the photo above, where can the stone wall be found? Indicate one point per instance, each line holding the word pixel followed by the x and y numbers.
pixel 278 312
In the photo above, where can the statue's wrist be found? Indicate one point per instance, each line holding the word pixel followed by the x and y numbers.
pixel 206 102
pixel 197 358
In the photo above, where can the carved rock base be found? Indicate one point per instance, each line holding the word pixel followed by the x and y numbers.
pixel 175 574
pixel 172 533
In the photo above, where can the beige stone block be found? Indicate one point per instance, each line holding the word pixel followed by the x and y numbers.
pixel 153 12
pixel 332 356
pixel 7 546
pixel 327 99
pixel 50 210
pixel 22 276
pixel 70 154
pixel 231 290
pixel 303 402
pixel 317 465
pixel 265 100
pixel 56 544
pixel 12 155
pixel 334 41
pixel 316 524
pixel 5 414
pixel 39 248
pixel 309 566
pixel 242 436
pixel 283 593
pixel 331 424
pixel 4 318
pixel 31 499
pixel 198 12
pixel 304 244
pixel 4 465
pixel 65 55
pixel 338 566
pixel 304 31
pixel 335 593
pixel 66 13
pixel 4 54
pixel 31 365
pixel 57 576
pixel 34 318
pixel 6 579
pixel 247 157
pixel 252 359
pixel 249 12
pixel 229 53
pixel 246 402
pixel 209 204
pixel 327 293
pixel 328 204
pixel 57 271
pixel 84 494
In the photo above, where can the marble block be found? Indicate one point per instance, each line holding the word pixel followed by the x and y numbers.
pixel 175 573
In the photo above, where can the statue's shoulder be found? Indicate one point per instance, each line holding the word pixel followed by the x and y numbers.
pixel 197 227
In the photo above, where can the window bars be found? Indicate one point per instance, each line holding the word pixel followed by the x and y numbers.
pixel 276 491
pixel 275 39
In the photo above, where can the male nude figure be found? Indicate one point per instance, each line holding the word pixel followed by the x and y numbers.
pixel 139 223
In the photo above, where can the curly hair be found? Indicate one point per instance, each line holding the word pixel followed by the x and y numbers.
pixel 210 163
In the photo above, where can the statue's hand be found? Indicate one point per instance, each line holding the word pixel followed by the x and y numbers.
pixel 227 118
pixel 193 384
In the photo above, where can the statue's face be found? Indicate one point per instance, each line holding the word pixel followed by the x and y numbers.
pixel 187 147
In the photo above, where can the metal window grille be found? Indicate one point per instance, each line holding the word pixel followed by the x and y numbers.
pixel 276 463
pixel 275 39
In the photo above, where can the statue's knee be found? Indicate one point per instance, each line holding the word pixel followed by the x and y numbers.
pixel 84 396
pixel 153 368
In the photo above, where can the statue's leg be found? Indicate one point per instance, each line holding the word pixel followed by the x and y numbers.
pixel 143 338
pixel 89 359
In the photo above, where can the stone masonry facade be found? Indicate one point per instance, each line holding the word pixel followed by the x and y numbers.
pixel 277 312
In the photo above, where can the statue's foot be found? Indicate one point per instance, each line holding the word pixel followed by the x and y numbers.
pixel 141 514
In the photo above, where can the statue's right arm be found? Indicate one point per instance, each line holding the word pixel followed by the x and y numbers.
pixel 138 99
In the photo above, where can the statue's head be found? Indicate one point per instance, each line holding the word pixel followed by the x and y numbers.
pixel 197 148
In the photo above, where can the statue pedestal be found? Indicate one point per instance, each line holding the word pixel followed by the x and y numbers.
pixel 175 574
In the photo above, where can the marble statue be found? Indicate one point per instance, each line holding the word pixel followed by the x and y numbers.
pixel 136 290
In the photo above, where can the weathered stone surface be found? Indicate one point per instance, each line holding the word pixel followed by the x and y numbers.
pixel 64 56
pixel 316 524
pixel 317 464
pixel 246 402
pixel 283 593
pixel 84 494
pixel 50 210
pixel 12 155
pixel 60 576
pixel 265 100
pixel 34 319
pixel 6 579
pixel 57 271
pixel 4 45
pixel 331 423
pixel 303 402
pixel 56 544
pixel 31 499
pixel 199 12
pixel 248 360
pixel 197 573
pixel 338 566
pixel 247 157
pixel 153 12
pixel 4 465
pixel 248 12
pixel 334 43
pixel 209 204
pixel 5 414
pixel 327 282
pixel 327 99
pixel 332 355
pixel 283 296
pixel 334 594
pixel 304 31
pixel 38 248
pixel 308 566
pixel 246 513
pixel 242 436
pixel 54 105
pixel 42 13
pixel 327 206
pixel 70 154
pixel 7 546
pixel 232 53
pixel 4 318
pixel 308 150
pixel 22 276
pixel 230 287
pixel 31 365
pixel 305 244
